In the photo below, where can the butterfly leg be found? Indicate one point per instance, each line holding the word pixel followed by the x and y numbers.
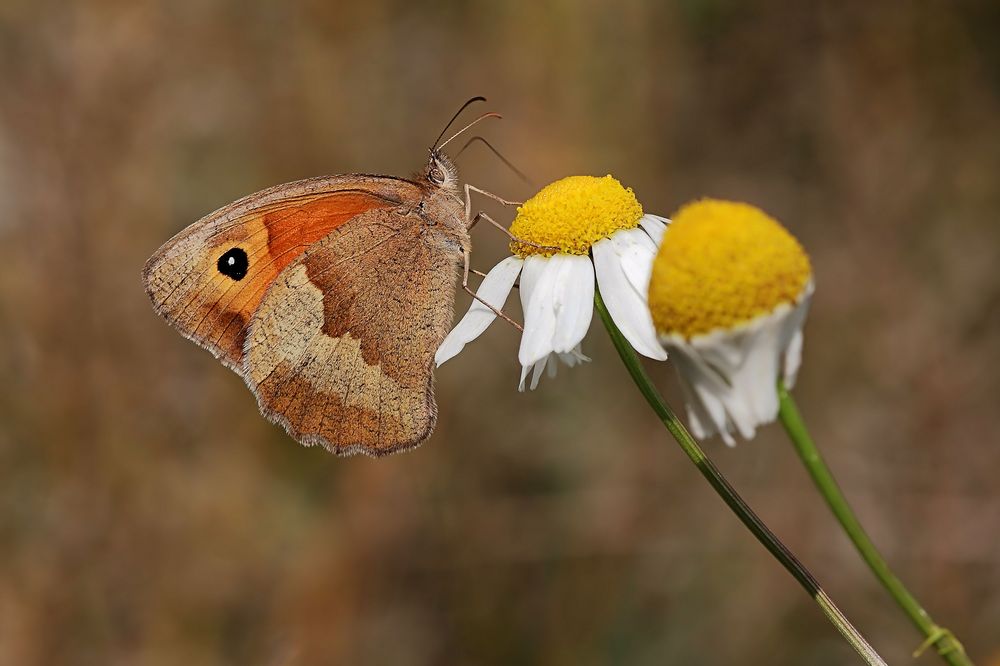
pixel 517 283
pixel 469 189
pixel 465 286
pixel 482 214
pixel 506 231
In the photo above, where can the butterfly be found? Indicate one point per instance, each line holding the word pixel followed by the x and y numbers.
pixel 329 297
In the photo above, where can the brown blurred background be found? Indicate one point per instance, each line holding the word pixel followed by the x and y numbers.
pixel 149 515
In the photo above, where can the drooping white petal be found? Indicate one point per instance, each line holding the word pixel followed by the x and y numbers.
pixel 557 295
pixel 623 264
pixel 494 289
pixel 550 365
pixel 704 394
pixel 524 374
pixel 538 369
pixel 793 359
pixel 729 377
pixel 793 327
pixel 530 273
pixel 536 372
pixel 546 283
pixel 755 379
pixel 636 251
pixel 537 299
pixel 654 226
pixel 570 359
pixel 574 357
pixel 574 303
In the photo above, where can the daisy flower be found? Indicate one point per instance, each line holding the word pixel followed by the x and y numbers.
pixel 729 292
pixel 600 231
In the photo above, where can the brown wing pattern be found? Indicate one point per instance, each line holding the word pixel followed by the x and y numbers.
pixel 273 228
pixel 341 348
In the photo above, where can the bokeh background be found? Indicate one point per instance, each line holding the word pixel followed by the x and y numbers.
pixel 148 515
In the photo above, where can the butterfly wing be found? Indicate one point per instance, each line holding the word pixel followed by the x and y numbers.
pixel 341 349
pixel 208 280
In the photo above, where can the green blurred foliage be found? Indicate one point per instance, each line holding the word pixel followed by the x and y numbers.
pixel 148 515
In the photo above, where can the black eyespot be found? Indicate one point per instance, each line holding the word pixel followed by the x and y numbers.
pixel 234 264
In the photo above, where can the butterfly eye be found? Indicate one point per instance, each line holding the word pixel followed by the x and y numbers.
pixel 436 176
pixel 233 264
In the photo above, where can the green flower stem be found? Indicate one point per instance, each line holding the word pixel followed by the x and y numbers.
pixel 729 494
pixel 943 640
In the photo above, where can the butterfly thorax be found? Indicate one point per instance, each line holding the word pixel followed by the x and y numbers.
pixel 442 207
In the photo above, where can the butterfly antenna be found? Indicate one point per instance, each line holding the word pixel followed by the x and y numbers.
pixel 489 114
pixel 471 100
pixel 496 152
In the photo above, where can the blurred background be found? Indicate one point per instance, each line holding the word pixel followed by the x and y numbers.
pixel 149 515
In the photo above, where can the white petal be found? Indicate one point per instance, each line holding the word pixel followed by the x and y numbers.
pixel 793 359
pixel 755 379
pixel 729 377
pixel 705 393
pixel 538 302
pixel 530 273
pixel 524 375
pixel 574 302
pixel 793 327
pixel 574 357
pixel 538 369
pixel 654 226
pixel 627 303
pixel 723 354
pixel 550 364
pixel 636 253
pixel 494 290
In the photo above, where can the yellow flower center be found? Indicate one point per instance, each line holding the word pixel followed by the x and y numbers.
pixel 721 264
pixel 572 214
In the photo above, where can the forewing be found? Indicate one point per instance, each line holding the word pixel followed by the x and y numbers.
pixel 341 349
pixel 273 228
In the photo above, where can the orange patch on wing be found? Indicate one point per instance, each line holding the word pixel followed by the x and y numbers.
pixel 297 226
pixel 291 227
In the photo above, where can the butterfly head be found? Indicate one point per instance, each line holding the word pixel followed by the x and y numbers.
pixel 441 172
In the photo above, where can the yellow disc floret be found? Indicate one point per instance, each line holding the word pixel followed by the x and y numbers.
pixel 572 214
pixel 721 264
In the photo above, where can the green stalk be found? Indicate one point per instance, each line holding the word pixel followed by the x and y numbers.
pixel 942 639
pixel 729 494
